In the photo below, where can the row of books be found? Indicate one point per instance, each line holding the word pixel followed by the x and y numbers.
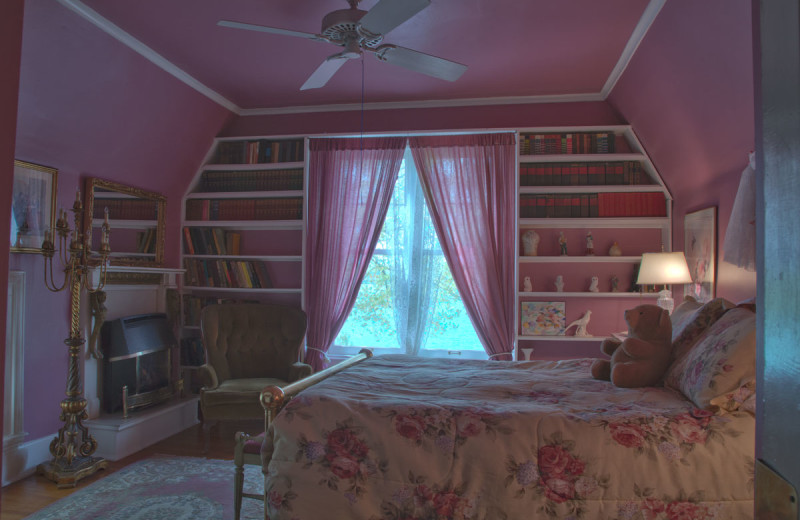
pixel 125 209
pixel 567 143
pixel 235 274
pixel 211 241
pixel 193 305
pixel 583 174
pixel 146 241
pixel 282 208
pixel 192 352
pixel 587 205
pixel 256 180
pixel 258 151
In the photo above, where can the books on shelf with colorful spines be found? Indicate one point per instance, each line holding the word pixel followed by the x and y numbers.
pixel 211 241
pixel 125 209
pixel 258 151
pixel 587 205
pixel 223 273
pixel 583 174
pixel 556 143
pixel 278 208
pixel 146 241
pixel 290 179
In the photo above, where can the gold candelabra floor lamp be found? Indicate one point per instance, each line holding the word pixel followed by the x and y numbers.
pixel 73 447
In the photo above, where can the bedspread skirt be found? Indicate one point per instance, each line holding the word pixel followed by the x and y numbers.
pixel 401 438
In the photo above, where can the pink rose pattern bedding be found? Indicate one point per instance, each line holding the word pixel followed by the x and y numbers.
pixel 400 438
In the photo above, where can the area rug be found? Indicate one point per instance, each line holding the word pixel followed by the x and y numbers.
pixel 162 488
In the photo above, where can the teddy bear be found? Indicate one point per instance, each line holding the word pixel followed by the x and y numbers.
pixel 643 357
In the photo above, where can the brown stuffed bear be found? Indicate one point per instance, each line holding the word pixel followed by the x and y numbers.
pixel 643 357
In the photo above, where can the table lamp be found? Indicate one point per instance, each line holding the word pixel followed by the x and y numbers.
pixel 664 269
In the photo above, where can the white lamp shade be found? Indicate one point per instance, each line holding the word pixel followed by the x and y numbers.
pixel 663 269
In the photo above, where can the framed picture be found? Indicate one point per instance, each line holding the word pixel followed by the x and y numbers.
pixel 700 247
pixel 33 206
pixel 543 318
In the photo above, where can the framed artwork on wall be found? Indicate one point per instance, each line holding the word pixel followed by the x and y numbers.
pixel 543 318
pixel 700 247
pixel 33 206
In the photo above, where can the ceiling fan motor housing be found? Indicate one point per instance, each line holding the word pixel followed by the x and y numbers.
pixel 341 27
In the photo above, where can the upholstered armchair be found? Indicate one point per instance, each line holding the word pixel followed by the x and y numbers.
pixel 248 346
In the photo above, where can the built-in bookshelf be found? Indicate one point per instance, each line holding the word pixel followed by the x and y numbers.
pixel 594 202
pixel 243 229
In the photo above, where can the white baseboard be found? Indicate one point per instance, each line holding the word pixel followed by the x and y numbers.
pixel 20 460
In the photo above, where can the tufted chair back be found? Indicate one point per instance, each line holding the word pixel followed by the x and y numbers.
pixel 248 346
pixel 252 340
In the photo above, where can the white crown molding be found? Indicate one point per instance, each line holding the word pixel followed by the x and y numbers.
pixel 434 103
pixel 638 34
pixel 158 60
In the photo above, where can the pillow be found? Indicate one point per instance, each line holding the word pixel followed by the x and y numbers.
pixel 721 362
pixel 690 319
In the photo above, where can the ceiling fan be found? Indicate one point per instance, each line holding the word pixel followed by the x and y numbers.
pixel 357 30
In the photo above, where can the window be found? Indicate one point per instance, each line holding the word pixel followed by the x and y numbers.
pixel 408 301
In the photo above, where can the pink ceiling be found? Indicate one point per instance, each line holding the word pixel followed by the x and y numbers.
pixel 511 47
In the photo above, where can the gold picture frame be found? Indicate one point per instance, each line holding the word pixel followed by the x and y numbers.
pixel 33 206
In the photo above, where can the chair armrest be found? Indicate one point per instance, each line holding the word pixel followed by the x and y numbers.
pixel 209 376
pixel 298 371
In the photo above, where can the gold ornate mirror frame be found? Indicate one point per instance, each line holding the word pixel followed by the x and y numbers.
pixel 137 218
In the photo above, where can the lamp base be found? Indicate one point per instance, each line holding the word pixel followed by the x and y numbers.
pixel 665 300
pixel 67 475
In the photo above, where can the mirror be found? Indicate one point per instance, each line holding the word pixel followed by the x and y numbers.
pixel 137 218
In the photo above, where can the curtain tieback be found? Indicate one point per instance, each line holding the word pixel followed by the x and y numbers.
pixel 501 354
pixel 324 354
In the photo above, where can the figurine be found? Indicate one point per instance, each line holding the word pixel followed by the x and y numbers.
pixel 589 244
pixel 614 250
pixel 562 243
pixel 559 283
pixel 593 287
pixel 614 283
pixel 527 285
pixel 97 302
pixel 581 324
pixel 530 243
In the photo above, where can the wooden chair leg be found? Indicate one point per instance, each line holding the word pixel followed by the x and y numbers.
pixel 238 484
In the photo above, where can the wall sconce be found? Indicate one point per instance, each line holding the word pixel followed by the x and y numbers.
pixel 664 269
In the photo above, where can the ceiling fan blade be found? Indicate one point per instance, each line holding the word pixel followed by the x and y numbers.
pixel 420 62
pixel 264 28
pixel 388 14
pixel 324 72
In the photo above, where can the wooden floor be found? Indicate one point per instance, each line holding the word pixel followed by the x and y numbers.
pixel 27 496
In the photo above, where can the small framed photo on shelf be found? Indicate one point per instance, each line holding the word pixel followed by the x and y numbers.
pixel 700 248
pixel 33 206
pixel 543 318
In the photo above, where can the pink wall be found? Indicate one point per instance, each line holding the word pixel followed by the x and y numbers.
pixel 10 49
pixel 421 119
pixel 697 62
pixel 91 107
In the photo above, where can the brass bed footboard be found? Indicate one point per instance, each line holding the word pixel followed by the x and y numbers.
pixel 274 398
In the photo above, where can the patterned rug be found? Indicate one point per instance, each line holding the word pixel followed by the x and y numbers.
pixel 162 488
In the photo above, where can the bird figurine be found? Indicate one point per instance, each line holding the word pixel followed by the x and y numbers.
pixel 527 285
pixel 581 324
pixel 614 250
pixel 594 286
pixel 559 283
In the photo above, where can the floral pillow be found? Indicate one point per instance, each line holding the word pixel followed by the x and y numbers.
pixel 719 370
pixel 691 319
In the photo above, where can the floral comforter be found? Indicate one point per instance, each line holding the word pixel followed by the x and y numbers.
pixel 402 438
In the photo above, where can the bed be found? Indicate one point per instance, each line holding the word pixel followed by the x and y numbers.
pixel 396 437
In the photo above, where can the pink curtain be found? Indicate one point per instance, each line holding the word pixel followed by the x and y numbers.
pixel 350 184
pixel 469 185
